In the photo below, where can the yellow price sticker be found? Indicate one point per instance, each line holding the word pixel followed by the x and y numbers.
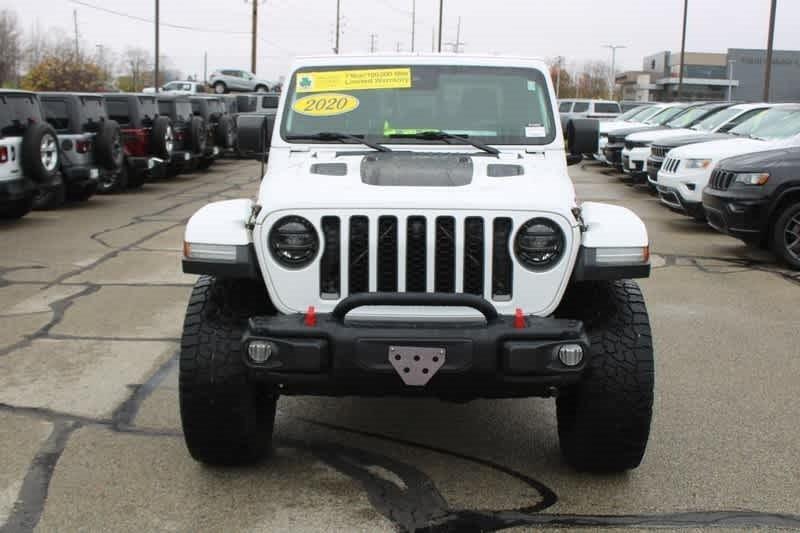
pixel 326 105
pixel 354 80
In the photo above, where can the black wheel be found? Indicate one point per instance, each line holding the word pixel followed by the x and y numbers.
pixel 17 208
pixel 786 236
pixel 81 192
pixel 198 136
pixel 50 197
pixel 226 419
pixel 204 163
pixel 108 147
pixel 223 133
pixel 113 181
pixel 604 421
pixel 40 155
pixel 220 88
pixel 162 138
pixel 261 89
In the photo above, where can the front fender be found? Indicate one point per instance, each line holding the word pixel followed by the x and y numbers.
pixel 218 241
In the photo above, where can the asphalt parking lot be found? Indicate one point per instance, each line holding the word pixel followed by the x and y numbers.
pixel 92 305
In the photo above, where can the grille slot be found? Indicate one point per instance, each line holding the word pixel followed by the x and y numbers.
pixel 660 151
pixel 473 255
pixel 387 254
pixel 502 268
pixel 330 265
pixel 416 255
pixel 721 180
pixel 358 277
pixel 445 272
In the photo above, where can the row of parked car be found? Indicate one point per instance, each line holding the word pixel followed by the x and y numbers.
pixel 57 147
pixel 734 165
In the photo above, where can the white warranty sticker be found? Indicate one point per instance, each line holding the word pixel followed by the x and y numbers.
pixel 535 130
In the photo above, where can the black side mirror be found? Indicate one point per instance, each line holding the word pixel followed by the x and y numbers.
pixel 255 134
pixel 583 136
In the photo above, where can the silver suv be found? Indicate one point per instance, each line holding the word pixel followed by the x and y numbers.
pixel 228 80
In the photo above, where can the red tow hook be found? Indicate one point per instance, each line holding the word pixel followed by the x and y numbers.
pixel 519 319
pixel 311 316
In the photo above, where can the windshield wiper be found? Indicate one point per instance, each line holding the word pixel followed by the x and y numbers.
pixel 439 135
pixel 337 136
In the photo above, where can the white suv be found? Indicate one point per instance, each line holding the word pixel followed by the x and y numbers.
pixel 29 152
pixel 416 234
pixel 687 169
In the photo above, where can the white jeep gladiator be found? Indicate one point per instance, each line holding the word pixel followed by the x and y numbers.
pixel 416 234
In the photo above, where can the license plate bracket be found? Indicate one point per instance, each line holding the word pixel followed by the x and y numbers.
pixel 416 365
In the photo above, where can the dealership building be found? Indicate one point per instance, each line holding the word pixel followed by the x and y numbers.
pixel 737 74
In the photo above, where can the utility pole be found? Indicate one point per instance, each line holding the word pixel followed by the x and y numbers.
pixel 205 66
pixel 255 36
pixel 372 37
pixel 441 12
pixel 433 38
pixel 730 79
pixel 75 21
pixel 338 28
pixel 612 80
pixel 770 40
pixel 413 23
pixel 558 75
pixel 158 52
pixel 457 45
pixel 397 47
pixel 683 48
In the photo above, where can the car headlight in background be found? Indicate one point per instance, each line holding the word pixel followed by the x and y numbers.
pixel 752 178
pixel 539 244
pixel 293 241
pixel 697 163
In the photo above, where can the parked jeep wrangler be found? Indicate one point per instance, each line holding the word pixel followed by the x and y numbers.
pixel 147 137
pixel 29 153
pixel 91 147
pixel 416 234
pixel 190 137
pixel 219 128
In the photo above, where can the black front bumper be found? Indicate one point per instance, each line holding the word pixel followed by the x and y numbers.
pixel 613 154
pixel 677 202
pixel 653 166
pixel 16 189
pixel 743 217
pixel 492 358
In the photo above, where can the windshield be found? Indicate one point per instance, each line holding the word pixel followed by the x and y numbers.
pixel 488 104
pixel 771 125
pixel 716 120
pixel 684 120
pixel 664 116
pixel 631 113
pixel 16 112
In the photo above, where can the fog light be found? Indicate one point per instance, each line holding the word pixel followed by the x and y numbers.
pixel 259 351
pixel 571 354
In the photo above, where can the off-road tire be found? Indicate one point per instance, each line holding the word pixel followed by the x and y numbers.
pixel 17 208
pixel 223 134
pixel 604 421
pixel 50 197
pixel 31 152
pixel 108 146
pixel 198 136
pixel 786 221
pixel 158 143
pixel 220 88
pixel 136 178
pixel 261 89
pixel 227 419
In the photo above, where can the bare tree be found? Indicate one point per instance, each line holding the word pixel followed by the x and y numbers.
pixel 137 65
pixel 10 47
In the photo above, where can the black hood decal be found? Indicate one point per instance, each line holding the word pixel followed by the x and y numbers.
pixel 416 170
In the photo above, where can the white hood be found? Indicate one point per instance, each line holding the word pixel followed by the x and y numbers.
pixel 611 125
pixel 716 150
pixel 290 183
pixel 657 135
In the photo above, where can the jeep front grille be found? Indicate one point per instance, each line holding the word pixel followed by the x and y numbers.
pixel 721 180
pixel 660 151
pixel 440 236
pixel 670 165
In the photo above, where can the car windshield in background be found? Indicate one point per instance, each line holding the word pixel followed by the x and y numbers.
pixel 774 124
pixel 636 113
pixel 684 120
pixel 664 116
pixel 393 103
pixel 604 107
pixel 16 112
pixel 716 120
pixel 92 112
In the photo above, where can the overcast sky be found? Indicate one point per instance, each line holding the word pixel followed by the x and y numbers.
pixel 575 29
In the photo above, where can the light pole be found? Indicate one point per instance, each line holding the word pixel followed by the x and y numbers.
pixel 770 40
pixel 612 79
pixel 730 79
pixel 558 76
pixel 338 28
pixel 155 73
pixel 441 10
pixel 683 48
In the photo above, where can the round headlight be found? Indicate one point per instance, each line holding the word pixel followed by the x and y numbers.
pixel 539 244
pixel 293 241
